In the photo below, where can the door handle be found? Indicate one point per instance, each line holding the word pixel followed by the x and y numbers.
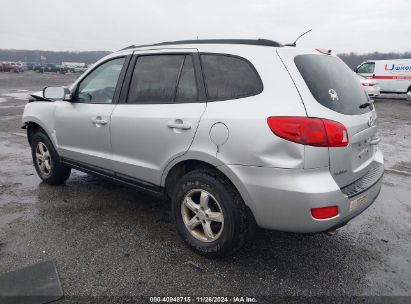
pixel 179 124
pixel 98 120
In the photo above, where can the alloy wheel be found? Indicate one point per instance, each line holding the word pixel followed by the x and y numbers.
pixel 202 215
pixel 43 159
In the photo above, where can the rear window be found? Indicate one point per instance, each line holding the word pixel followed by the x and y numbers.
pixel 332 83
pixel 229 77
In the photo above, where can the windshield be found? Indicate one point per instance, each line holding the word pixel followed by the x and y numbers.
pixel 332 83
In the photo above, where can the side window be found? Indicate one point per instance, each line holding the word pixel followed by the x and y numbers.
pixel 187 86
pixel 367 67
pixel 100 84
pixel 229 77
pixel 163 79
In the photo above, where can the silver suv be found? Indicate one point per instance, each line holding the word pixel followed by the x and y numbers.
pixel 237 133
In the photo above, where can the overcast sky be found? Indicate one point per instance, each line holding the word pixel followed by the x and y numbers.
pixel 77 25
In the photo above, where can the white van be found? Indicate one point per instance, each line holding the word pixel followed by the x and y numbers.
pixel 393 76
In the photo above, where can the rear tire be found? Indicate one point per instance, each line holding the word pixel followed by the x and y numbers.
pixel 209 214
pixel 46 160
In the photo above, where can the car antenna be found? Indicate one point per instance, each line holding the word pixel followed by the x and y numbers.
pixel 295 42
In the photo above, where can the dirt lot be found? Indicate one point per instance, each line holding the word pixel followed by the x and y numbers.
pixel 107 240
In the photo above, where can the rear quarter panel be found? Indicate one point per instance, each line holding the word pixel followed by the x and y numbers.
pixel 250 140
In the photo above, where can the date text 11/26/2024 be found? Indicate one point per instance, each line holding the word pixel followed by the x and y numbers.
pixel 202 299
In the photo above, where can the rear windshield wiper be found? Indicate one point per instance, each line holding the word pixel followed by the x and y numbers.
pixel 366 104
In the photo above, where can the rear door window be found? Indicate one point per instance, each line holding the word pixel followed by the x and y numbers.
pixel 229 77
pixel 187 85
pixel 155 79
pixel 332 83
pixel 163 79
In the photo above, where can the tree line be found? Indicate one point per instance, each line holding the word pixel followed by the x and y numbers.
pixel 352 59
pixel 51 56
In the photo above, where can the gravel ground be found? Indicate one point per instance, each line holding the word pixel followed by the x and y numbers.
pixel 107 240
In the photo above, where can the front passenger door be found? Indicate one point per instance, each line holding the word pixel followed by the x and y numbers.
pixel 82 125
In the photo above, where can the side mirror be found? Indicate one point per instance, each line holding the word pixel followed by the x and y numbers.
pixel 56 93
pixel 355 70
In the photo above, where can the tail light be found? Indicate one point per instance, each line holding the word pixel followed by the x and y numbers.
pixel 309 131
pixel 324 212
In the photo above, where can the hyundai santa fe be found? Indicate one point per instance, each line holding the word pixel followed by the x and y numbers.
pixel 236 134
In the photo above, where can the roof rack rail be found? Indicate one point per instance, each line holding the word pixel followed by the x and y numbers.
pixel 263 42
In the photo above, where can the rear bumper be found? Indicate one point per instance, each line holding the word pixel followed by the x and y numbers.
pixel 281 199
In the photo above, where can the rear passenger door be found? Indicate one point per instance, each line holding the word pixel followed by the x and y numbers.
pixel 156 120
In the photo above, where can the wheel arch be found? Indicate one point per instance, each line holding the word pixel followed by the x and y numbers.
pixel 193 158
pixel 33 126
pixel 198 160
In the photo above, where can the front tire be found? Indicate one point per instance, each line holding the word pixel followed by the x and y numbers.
pixel 209 213
pixel 47 162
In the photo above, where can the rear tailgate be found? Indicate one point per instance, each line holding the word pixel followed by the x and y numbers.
pixel 329 89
